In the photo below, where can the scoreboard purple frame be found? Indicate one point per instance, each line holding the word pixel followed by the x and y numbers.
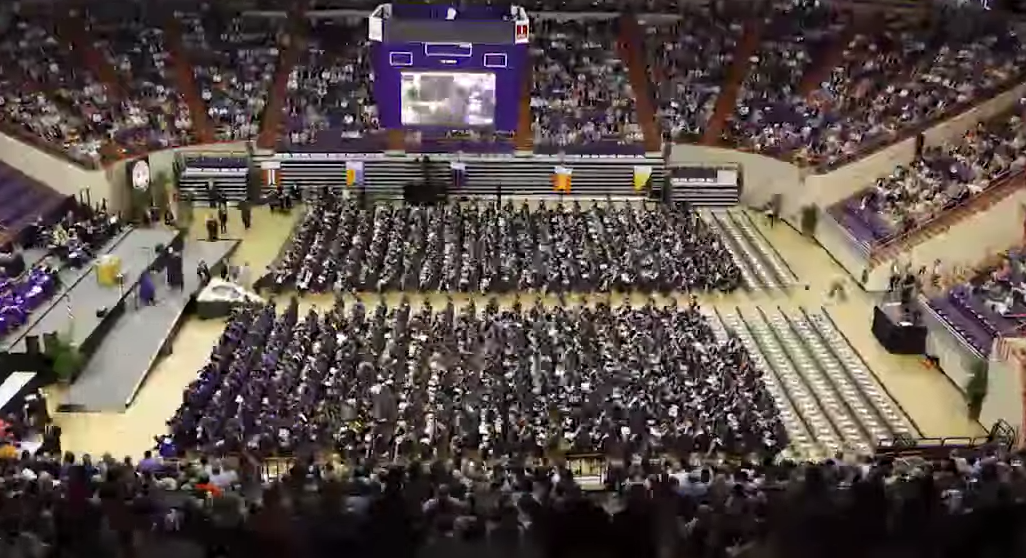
pixel 440 39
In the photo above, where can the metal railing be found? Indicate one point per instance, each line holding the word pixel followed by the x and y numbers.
pixel 999 188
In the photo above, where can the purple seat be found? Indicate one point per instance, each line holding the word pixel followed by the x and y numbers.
pixel 214 162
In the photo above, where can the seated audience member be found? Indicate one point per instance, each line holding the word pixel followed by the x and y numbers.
pixel 329 90
pixel 153 115
pixel 688 61
pixel 234 59
pixel 771 116
pixel 946 175
pixel 894 76
pixel 74 111
pixel 341 246
pixel 581 91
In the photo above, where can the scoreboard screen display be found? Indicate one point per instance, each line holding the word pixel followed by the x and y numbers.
pixel 456 99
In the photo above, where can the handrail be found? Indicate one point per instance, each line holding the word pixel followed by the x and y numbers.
pixel 1007 183
pixel 864 247
pixel 937 441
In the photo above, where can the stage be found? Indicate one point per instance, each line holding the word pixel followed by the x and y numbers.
pixel 75 307
pixel 139 335
pixel 896 332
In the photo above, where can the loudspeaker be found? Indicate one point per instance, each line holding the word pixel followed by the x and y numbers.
pixel 32 345
pixel 50 342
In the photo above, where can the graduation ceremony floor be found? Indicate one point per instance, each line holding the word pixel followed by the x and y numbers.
pixel 926 395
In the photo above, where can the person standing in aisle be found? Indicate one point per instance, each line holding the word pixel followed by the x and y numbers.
pixel 222 217
pixel 211 228
pixel 246 213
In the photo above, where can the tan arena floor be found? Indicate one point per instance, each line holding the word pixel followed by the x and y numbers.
pixel 926 395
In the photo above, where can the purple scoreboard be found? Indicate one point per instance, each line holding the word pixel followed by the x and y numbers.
pixel 450 68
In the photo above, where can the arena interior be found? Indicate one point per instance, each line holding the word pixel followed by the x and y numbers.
pixel 646 278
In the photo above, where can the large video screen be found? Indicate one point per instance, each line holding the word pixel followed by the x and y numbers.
pixel 454 99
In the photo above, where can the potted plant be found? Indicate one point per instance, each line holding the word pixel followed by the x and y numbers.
pixel 67 359
pixel 159 191
pixel 184 211
pixel 976 388
pixel 809 220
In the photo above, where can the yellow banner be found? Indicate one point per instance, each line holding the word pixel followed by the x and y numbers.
pixel 354 173
pixel 561 179
pixel 642 174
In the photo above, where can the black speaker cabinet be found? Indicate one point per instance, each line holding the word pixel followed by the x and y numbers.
pixel 50 342
pixel 32 346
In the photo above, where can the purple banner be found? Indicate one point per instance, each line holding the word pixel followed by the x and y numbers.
pixel 448 86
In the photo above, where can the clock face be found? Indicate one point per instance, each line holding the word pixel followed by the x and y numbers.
pixel 141 175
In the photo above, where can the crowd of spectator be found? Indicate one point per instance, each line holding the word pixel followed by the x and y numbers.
pixel 47 93
pixel 342 246
pixel 330 88
pixel 68 505
pixel 234 58
pixel 581 92
pixel 688 63
pixel 946 175
pixel 895 75
pixel 153 114
pixel 770 110
pixel 491 382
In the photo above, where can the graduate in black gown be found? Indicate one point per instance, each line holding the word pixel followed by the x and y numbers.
pixel 175 277
pixel 211 228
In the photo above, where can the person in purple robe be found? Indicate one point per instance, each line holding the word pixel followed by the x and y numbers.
pixel 147 292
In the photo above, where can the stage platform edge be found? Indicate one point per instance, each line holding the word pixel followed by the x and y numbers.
pixel 141 336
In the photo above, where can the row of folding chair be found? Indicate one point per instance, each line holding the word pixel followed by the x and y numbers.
pixel 809 430
pixel 761 247
pixel 754 273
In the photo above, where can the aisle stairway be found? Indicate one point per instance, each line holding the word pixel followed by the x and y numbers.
pixel 185 81
pixel 271 126
pixel 73 30
pixel 632 51
pixel 761 265
pixel 727 99
pixel 524 138
pixel 811 432
pixel 828 399
pixel 824 62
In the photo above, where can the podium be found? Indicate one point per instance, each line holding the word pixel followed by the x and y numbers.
pixel 108 268
pixel 897 336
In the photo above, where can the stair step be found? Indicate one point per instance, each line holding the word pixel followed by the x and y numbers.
pixel 739 69
pixel 632 52
pixel 186 83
